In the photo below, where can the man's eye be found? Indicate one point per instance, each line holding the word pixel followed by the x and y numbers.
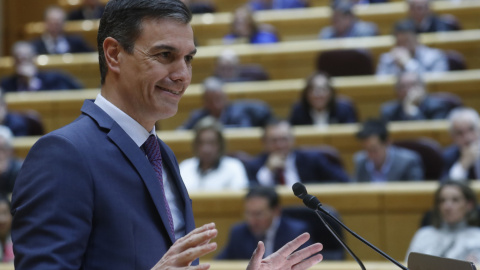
pixel 188 58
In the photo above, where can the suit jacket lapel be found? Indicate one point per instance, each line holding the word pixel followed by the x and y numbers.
pixel 136 156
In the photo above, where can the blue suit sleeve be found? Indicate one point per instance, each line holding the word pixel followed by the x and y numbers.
pixel 52 207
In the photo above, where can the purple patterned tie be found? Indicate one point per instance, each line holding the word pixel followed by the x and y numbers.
pixel 152 149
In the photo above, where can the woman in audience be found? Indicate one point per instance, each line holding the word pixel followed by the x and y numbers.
pixel 6 246
pixel 245 29
pixel 210 169
pixel 319 104
pixel 454 232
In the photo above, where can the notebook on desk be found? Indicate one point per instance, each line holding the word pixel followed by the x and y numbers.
pixel 419 261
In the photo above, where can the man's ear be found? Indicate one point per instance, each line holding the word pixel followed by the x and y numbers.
pixel 111 50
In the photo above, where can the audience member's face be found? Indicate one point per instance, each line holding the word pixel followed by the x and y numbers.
pixel 406 40
pixel 407 83
pixel 278 139
pixel 154 77
pixel 319 94
pixel 242 23
pixel 376 150
pixel 419 9
pixel 5 219
pixel 54 21
pixel 464 132
pixel 342 22
pixel 259 215
pixel 208 147
pixel 227 68
pixel 215 102
pixel 453 205
pixel 24 61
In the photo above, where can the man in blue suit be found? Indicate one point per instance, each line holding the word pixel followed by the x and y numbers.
pixel 281 164
pixel 263 222
pixel 104 192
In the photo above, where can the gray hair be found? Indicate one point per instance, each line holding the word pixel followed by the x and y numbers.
pixel 464 113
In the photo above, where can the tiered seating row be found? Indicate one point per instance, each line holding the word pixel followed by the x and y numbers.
pixel 294 24
pixel 58 108
pixel 284 60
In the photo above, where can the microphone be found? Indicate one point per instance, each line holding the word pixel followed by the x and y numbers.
pixel 313 203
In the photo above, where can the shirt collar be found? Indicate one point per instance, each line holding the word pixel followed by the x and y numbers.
pixel 133 129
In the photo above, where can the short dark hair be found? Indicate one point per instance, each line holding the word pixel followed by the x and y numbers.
pixel 404 26
pixel 373 127
pixel 122 20
pixel 471 217
pixel 268 193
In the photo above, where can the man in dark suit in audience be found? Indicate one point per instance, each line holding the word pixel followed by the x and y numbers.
pixel 54 40
pixel 244 113
pixel 462 159
pixel 382 162
pixel 281 164
pixel 425 20
pixel 9 164
pixel 413 101
pixel 263 222
pixel 408 55
pixel 28 78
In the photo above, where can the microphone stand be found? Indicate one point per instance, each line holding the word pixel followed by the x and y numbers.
pixel 320 209
pixel 339 239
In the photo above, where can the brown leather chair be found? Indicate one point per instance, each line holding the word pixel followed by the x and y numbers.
pixel 346 62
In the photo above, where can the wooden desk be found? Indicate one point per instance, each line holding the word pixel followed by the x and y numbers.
pixel 284 60
pixel 292 24
pixel 342 137
pixel 387 215
pixel 59 108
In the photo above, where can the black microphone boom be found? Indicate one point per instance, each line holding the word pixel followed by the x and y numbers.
pixel 313 203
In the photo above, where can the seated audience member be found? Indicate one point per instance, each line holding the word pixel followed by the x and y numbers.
pixel 17 123
pixel 245 29
pixel 28 78
pixel 200 6
pixel 413 101
pixel 6 245
pixel 210 169
pixel 89 10
pixel 382 162
pixel 346 24
pixel 425 20
pixel 9 165
pixel 54 40
pixel 454 233
pixel 409 55
pixel 319 105
pixel 462 159
pixel 264 222
pixel 277 4
pixel 246 113
pixel 229 69
pixel 281 164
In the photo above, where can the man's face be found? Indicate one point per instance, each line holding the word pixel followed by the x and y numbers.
pixel 259 215
pixel 342 22
pixel 419 9
pixel 208 147
pixel 407 83
pixel 54 21
pixel 464 132
pixel 406 40
pixel 278 139
pixel 215 102
pixel 376 150
pixel 156 74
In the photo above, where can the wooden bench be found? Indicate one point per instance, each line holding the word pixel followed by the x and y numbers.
pixel 59 108
pixel 293 24
pixel 341 137
pixel 284 60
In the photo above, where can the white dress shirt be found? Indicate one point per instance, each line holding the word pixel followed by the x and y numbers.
pixel 267 178
pixel 139 135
